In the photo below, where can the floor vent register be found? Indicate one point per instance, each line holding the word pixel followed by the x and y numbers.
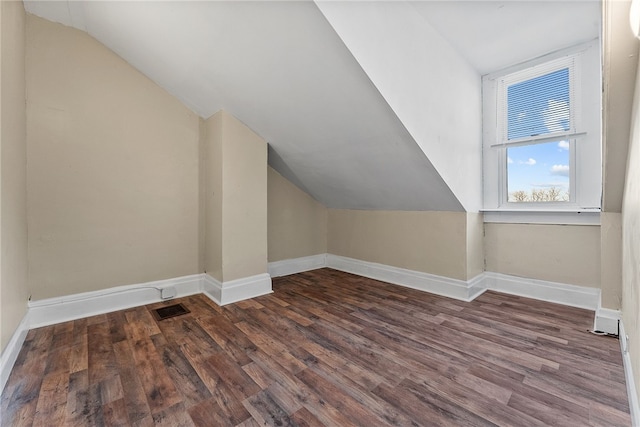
pixel 169 311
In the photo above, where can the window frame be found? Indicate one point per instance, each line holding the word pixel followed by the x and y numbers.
pixel 584 136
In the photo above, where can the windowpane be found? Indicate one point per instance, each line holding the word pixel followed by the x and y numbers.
pixel 539 105
pixel 539 172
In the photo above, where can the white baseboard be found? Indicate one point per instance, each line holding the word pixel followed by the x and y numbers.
pixel 606 320
pixel 477 286
pixel 445 286
pixel 62 309
pixel 50 311
pixel 224 293
pixel 634 406
pixel 55 310
pixel 559 293
pixel 12 350
pixel 212 288
pixel 297 265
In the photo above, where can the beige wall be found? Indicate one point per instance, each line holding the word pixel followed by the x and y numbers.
pixel 297 222
pixel 244 200
pixel 14 291
pixel 611 256
pixel 211 164
pixel 556 253
pixel 235 171
pixel 620 51
pixel 112 171
pixel 631 241
pixel 430 242
pixel 475 244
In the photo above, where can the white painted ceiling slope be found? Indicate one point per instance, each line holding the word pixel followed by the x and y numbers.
pixel 282 69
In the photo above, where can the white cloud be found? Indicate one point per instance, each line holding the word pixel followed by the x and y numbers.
pixel 509 160
pixel 556 116
pixel 529 162
pixel 562 170
pixel 564 145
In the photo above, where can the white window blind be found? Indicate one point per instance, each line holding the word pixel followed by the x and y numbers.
pixel 538 103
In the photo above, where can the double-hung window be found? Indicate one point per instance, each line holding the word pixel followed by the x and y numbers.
pixel 542 134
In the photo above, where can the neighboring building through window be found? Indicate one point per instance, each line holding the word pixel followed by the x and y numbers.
pixel 542 134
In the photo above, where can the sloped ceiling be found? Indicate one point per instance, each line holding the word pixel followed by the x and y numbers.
pixel 282 69
pixel 493 35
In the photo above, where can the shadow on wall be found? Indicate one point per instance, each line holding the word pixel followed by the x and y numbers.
pixel 277 162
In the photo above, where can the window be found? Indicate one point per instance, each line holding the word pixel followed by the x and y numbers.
pixel 542 134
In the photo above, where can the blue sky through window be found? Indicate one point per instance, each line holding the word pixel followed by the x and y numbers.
pixel 535 107
pixel 536 167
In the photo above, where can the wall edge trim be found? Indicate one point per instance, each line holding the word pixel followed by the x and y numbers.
pixel 229 292
pixel 439 285
pixel 634 405
pixel 607 320
pixel 12 350
pixel 50 311
pixel 297 265
pixel 60 309
pixel 212 288
pixel 554 292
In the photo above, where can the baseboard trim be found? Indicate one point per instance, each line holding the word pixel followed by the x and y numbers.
pixel 297 265
pixel 12 350
pixel 212 288
pixel 61 309
pixel 476 286
pixel 50 311
pixel 559 293
pixel 555 292
pixel 606 320
pixel 634 406
pixel 439 285
pixel 223 293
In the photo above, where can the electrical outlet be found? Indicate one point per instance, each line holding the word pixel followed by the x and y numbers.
pixel 168 292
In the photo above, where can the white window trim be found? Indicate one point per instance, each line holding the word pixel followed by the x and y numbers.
pixel 586 191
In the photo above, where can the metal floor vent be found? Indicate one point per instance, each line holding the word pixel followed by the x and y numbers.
pixel 169 311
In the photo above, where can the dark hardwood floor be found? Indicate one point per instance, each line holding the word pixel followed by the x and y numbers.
pixel 325 349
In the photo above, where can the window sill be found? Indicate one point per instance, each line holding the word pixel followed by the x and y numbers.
pixel 560 217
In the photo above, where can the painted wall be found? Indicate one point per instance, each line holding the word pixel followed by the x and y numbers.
pixel 297 222
pixel 211 164
pixel 475 244
pixel 112 171
pixel 430 242
pixel 611 260
pixel 620 51
pixel 14 291
pixel 556 253
pixel 631 241
pixel 244 200
pixel 437 98
pixel 235 181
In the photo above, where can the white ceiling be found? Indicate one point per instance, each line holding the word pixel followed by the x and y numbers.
pixel 281 69
pixel 493 35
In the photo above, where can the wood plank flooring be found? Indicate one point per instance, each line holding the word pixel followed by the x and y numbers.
pixel 325 349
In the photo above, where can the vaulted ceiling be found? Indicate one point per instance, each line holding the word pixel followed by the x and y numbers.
pixel 358 101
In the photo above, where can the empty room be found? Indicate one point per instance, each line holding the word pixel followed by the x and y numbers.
pixel 319 213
